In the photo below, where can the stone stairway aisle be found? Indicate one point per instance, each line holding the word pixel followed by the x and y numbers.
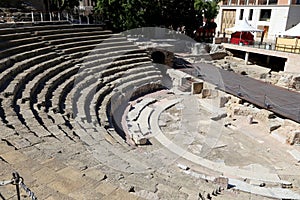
pixel 50 178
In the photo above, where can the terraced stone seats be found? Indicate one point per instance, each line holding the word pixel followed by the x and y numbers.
pixel 66 83
pixel 43 86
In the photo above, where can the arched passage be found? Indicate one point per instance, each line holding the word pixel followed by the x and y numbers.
pixel 158 57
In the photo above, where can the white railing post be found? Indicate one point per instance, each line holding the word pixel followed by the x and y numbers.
pixel 32 17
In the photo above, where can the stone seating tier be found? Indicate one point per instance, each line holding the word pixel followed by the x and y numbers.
pixel 21 49
pixel 61 85
pixel 50 29
pixel 91 80
pixel 8 62
pixel 14 36
pixel 56 36
pixel 16 42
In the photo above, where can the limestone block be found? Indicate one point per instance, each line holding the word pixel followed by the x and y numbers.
pixel 197 87
pixel 223 101
pixel 296 83
pixel 106 188
pixel 285 80
pixel 139 139
pixel 275 124
pixel 288 122
pixel 147 195
pixel 222 182
pixel 293 138
pixel 265 115
pixel 209 93
pixel 250 119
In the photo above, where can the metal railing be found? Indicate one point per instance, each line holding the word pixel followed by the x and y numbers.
pixel 35 16
pixel 18 181
pixel 268 46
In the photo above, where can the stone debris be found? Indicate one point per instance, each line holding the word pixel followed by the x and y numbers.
pixel 181 166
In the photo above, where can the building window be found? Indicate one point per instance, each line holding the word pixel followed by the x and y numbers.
pixel 251 2
pixel 243 2
pixel 273 2
pixel 297 1
pixel 241 14
pixel 262 2
pixel 250 14
pixel 265 14
pixel 225 2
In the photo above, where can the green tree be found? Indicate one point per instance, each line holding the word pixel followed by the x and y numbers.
pixel 123 14
pixel 128 14
pixel 10 3
pixel 210 9
pixel 60 5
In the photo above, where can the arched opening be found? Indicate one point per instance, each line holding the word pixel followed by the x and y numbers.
pixel 158 57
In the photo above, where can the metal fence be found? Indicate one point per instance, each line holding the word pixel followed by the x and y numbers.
pixel 18 181
pixel 271 46
pixel 225 38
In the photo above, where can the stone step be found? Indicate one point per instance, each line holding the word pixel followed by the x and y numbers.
pixel 49 182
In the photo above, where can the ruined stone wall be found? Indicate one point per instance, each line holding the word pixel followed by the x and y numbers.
pixel 169 56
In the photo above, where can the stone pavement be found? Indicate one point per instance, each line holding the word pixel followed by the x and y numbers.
pixel 228 171
pixel 52 179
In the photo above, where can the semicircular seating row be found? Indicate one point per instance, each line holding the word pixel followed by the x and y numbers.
pixel 65 81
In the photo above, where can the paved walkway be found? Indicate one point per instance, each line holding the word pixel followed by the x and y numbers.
pixel 159 135
pixel 218 167
pixel 281 101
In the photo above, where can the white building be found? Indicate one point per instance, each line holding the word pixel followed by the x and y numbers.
pixel 273 16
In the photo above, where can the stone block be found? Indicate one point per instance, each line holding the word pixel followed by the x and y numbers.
pixel 120 194
pixel 86 193
pixel 223 101
pixel 5 148
pixel 209 93
pixel 65 186
pixel 222 182
pixel 265 115
pixel 105 188
pixel 45 175
pixel 275 124
pixel 293 138
pixel 197 87
pixel 53 164
pixel 18 142
pixel 144 194
pixel 13 157
pixel 71 173
pixel 95 174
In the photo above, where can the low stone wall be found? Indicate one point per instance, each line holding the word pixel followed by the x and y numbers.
pixel 219 40
pixel 284 130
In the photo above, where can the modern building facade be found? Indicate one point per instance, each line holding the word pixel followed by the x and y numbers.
pixel 272 16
